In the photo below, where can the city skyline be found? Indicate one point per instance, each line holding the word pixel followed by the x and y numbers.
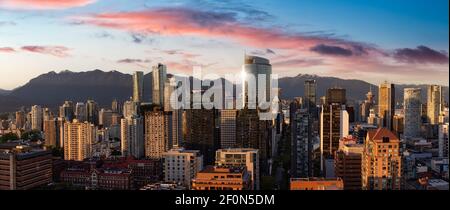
pixel 404 38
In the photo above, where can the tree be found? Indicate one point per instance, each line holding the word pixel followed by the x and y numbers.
pixel 33 135
pixel 56 151
pixel 116 153
pixel 8 137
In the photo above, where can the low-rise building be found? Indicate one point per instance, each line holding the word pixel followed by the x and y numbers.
pixel 316 184
pixel 222 178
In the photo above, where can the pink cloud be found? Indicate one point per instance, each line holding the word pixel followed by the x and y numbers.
pixel 58 51
pixel 7 50
pixel 189 22
pixel 43 4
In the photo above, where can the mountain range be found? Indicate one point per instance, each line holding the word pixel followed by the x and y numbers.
pixel 52 89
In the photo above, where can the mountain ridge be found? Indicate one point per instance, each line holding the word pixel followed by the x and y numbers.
pixel 52 88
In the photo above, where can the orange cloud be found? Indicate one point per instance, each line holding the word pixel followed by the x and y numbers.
pixel 43 4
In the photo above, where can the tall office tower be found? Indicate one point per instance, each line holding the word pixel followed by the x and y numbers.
pixel 20 119
pixel 78 140
pixel 443 140
pixel 381 167
pixel 115 119
pixel 373 119
pixel 130 108
pixel 60 121
pixel 138 86
pixel 36 118
pixel 386 104
pixel 412 102
pixel 301 144
pixel 253 133
pixel 51 132
pixel 367 105
pixel 182 165
pixel 92 112
pixel 435 103
pixel 24 167
pixel 330 124
pixel 159 78
pixel 201 133
pixel 397 126
pixel 80 112
pixel 345 125
pixel 105 118
pixel 228 128
pixel 115 107
pixel 239 157
pixel 46 114
pixel 310 95
pixel 132 137
pixel 67 110
pixel 158 132
pixel 348 161
pixel 252 68
pixel 177 120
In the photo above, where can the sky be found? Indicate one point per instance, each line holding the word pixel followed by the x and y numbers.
pixel 400 41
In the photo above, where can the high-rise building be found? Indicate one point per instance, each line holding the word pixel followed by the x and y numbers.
pixel 51 132
pixel 138 86
pixel 182 165
pixel 23 167
pixel 253 68
pixel 20 119
pixel 201 133
pixel 348 161
pixel 170 105
pixel 345 125
pixel 310 95
pixel 46 114
pixel 105 118
pixel 301 144
pixel 222 178
pixel 158 132
pixel 67 111
pixel 159 78
pixel 367 105
pixel 251 132
pixel 115 107
pixel 386 103
pixel 92 112
pixel 381 165
pixel 36 118
pixel 132 137
pixel 330 123
pixel 435 103
pixel 60 121
pixel 239 157
pixel 130 109
pixel 78 139
pixel 412 102
pixel 80 112
pixel 228 128
pixel 443 140
pixel 373 119
pixel 397 126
